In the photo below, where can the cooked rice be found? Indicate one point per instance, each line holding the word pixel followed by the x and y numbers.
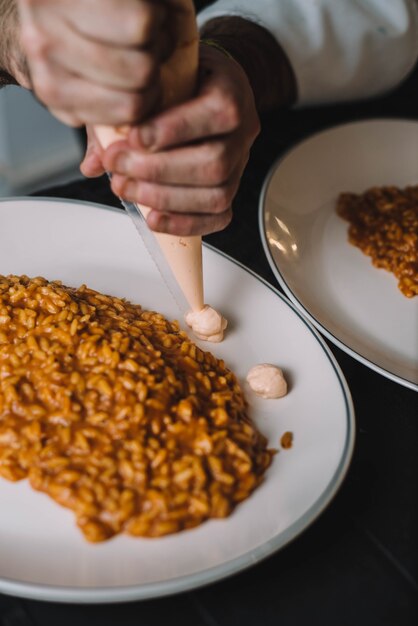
pixel 116 414
pixel 384 225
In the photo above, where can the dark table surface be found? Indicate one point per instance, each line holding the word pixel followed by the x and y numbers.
pixel 357 563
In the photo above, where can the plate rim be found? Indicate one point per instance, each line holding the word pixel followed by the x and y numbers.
pixel 280 277
pixel 108 595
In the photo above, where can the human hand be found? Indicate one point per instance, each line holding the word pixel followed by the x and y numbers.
pixel 97 61
pixel 186 163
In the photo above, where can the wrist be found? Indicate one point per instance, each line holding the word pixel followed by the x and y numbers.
pixel 264 62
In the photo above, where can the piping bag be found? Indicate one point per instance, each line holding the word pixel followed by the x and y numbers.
pixel 179 259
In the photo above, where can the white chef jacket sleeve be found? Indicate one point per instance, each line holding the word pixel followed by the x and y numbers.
pixel 339 49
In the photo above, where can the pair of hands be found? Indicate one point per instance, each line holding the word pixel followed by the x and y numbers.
pixel 98 63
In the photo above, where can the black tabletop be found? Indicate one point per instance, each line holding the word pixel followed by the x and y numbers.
pixel 357 563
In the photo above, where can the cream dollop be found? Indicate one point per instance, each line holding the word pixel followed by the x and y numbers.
pixel 267 381
pixel 207 324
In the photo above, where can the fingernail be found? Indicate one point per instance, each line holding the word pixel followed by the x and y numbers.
pixel 147 136
pixel 122 163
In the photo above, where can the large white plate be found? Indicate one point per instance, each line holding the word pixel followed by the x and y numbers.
pixel 42 553
pixel 357 306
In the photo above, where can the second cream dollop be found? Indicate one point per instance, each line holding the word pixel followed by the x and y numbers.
pixel 267 381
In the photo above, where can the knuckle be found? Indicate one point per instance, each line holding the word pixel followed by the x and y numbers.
pixel 219 166
pixel 141 25
pixel 47 91
pixel 187 226
pixel 217 171
pixel 153 170
pixel 232 115
pixel 34 43
pixel 145 23
pixel 174 133
pixel 145 70
pixel 221 199
pixel 224 219
pixel 227 111
pixel 135 27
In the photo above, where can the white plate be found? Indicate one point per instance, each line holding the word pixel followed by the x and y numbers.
pixel 356 305
pixel 42 553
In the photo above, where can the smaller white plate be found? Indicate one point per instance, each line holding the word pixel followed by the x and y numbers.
pixel 356 305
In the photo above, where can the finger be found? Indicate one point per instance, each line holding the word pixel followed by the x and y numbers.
pixel 188 225
pixel 207 115
pixel 77 102
pixel 207 164
pixel 134 22
pixel 92 165
pixel 114 66
pixel 177 199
